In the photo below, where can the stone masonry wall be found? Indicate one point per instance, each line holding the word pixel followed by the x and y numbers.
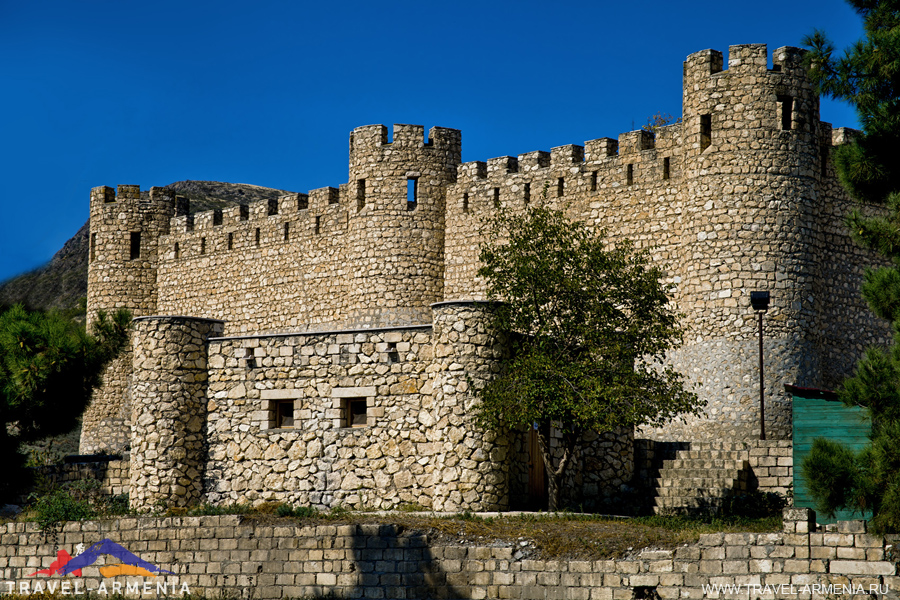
pixel 739 196
pixel 358 256
pixel 169 411
pixel 231 556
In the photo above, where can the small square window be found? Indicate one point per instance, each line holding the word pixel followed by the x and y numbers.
pixel 284 414
pixel 356 414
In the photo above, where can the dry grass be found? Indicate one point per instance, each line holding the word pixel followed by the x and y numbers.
pixel 563 536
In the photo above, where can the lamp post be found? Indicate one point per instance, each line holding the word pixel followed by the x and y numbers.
pixel 760 303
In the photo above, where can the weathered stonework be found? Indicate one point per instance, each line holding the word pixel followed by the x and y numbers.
pixel 169 410
pixel 314 288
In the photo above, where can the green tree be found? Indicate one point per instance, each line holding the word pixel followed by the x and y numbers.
pixel 868 77
pixel 48 367
pixel 590 326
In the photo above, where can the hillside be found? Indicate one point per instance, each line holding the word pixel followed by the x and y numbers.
pixel 62 283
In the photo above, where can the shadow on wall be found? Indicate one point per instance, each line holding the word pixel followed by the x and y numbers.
pixel 386 562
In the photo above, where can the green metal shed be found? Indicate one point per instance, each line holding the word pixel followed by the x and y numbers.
pixel 819 414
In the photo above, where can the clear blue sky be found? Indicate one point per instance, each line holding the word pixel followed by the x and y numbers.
pixel 107 93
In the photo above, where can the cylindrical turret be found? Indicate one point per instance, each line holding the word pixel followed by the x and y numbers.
pixel 751 160
pixel 396 221
pixel 122 263
pixel 168 417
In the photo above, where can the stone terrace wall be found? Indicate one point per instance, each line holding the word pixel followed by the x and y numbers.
pixel 236 558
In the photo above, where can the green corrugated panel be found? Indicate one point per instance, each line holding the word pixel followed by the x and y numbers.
pixel 818 414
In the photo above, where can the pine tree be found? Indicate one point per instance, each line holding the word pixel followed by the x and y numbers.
pixel 868 77
pixel 48 367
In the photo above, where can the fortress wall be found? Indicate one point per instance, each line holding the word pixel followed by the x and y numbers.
pixel 321 461
pixel 358 256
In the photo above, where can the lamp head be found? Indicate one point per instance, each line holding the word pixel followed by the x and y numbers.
pixel 759 301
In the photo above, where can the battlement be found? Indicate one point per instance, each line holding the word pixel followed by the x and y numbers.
pixel 368 137
pixel 744 59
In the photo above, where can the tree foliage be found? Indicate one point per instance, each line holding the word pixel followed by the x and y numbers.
pixel 867 76
pixel 48 367
pixel 590 326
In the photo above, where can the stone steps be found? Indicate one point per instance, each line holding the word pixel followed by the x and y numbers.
pixel 701 478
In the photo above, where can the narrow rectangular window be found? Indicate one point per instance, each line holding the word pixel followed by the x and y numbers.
pixel 560 187
pixel 318 225
pixel 629 175
pixel 203 245
pixel 666 167
pixel 465 202
pixel 333 195
pixel 786 110
pixel 527 192
pixel 93 246
pixel 273 207
pixel 189 223
pixel 135 245
pixel 284 414
pixel 412 193
pixel 257 236
pixel 705 131
pixel 302 202
pixel 287 231
pixel 496 197
pixel 217 217
pixel 356 412
pixel 245 212
pixel 177 250
pixel 594 181
pixel 230 241
pixel 360 194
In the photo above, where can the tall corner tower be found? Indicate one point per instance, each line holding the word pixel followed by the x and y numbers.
pixel 123 257
pixel 751 162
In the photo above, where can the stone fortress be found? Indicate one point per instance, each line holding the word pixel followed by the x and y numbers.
pixel 320 349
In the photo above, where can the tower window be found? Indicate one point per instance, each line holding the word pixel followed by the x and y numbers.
pixel 360 194
pixel 273 207
pixel 230 240
pixel 257 236
pixel 527 192
pixel 287 231
pixel 629 174
pixel 785 110
pixel 93 254
pixel 496 197
pixel 177 250
pixel 666 168
pixel 705 131
pixel 594 181
pixel 302 202
pixel 203 245
pixel 217 217
pixel 560 187
pixel 245 212
pixel 318 229
pixel 465 202
pixel 135 245
pixel 412 193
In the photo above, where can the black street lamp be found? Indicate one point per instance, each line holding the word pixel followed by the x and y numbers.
pixel 760 303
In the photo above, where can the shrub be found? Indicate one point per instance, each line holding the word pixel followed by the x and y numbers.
pixel 59 506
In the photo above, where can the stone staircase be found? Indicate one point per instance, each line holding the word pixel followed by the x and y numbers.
pixel 699 479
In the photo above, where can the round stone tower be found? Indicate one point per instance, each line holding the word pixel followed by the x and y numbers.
pixel 168 431
pixel 751 162
pixel 396 221
pixel 122 263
